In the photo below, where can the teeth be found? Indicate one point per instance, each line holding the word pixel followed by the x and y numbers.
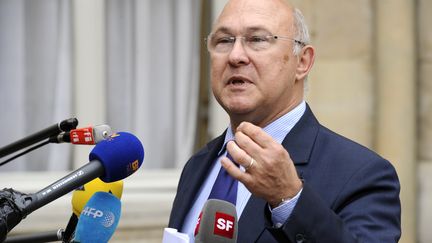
pixel 237 81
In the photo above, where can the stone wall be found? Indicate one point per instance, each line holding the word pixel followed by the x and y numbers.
pixel 424 116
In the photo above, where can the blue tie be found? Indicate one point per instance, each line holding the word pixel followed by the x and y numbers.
pixel 225 186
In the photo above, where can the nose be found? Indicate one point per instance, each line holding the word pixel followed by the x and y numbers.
pixel 238 55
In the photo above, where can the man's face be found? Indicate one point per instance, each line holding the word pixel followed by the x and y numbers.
pixel 257 86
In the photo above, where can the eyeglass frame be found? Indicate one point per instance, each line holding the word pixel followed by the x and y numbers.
pixel 244 38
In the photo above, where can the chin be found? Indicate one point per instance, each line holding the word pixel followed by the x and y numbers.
pixel 238 105
pixel 239 109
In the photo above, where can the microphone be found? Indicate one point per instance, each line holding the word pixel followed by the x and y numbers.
pixel 99 218
pixel 63 126
pixel 217 223
pixel 56 235
pixel 111 160
pixel 10 210
pixel 88 135
pixel 81 196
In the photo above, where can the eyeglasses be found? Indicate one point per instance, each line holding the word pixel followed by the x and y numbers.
pixel 224 44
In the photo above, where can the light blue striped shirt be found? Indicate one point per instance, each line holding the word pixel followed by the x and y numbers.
pixel 278 131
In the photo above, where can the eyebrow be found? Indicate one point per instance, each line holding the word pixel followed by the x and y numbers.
pixel 227 30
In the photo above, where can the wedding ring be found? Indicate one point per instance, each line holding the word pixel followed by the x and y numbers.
pixel 252 162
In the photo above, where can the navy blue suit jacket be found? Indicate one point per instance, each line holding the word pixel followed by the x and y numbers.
pixel 350 194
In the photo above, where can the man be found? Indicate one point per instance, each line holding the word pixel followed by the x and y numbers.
pixel 297 180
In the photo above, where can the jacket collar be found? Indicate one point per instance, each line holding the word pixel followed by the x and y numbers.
pixel 300 141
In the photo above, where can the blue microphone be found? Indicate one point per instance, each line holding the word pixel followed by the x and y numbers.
pixel 99 218
pixel 121 154
pixel 113 159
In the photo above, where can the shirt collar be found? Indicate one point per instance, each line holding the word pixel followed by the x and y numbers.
pixel 278 129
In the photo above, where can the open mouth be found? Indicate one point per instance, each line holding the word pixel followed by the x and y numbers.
pixel 236 82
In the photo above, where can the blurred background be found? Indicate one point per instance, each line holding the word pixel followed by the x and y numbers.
pixel 142 66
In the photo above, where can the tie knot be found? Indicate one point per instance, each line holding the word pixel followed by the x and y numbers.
pixel 228 155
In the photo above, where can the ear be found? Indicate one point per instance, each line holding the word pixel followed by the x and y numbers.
pixel 306 59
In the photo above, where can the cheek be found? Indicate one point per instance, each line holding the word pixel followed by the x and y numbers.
pixel 216 70
pixel 280 75
pixel 287 67
pixel 285 63
pixel 279 69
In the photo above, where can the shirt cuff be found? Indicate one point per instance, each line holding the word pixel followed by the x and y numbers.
pixel 282 212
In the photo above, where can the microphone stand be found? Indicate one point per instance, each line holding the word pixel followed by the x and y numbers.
pixel 63 126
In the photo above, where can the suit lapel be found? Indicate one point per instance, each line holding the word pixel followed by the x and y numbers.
pixel 249 224
pixel 300 140
pixel 192 181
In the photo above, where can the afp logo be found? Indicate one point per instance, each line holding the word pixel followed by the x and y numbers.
pixel 224 225
pixel 92 212
pixel 107 218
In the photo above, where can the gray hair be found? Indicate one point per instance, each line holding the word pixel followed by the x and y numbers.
pixel 302 35
pixel 301 31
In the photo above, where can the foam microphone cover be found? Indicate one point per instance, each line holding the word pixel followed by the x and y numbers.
pixel 121 155
pixel 217 223
pixel 81 195
pixel 99 218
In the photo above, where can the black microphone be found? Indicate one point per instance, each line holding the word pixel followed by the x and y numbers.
pixel 63 126
pixel 217 223
pixel 80 197
pixel 50 236
pixel 111 160
pixel 11 212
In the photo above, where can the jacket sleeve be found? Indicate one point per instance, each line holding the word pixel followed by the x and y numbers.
pixel 366 209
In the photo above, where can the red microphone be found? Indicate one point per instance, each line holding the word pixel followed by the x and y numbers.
pixel 88 135
pixel 217 223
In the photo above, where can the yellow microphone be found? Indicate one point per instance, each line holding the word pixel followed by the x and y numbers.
pixel 81 195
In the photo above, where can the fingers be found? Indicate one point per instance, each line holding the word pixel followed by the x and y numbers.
pixel 240 156
pixel 235 171
pixel 246 143
pixel 250 142
pixel 255 133
pixel 251 164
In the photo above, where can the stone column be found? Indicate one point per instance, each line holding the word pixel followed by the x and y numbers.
pixel 425 120
pixel 89 73
pixel 395 100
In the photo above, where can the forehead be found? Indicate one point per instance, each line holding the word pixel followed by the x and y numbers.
pixel 251 15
